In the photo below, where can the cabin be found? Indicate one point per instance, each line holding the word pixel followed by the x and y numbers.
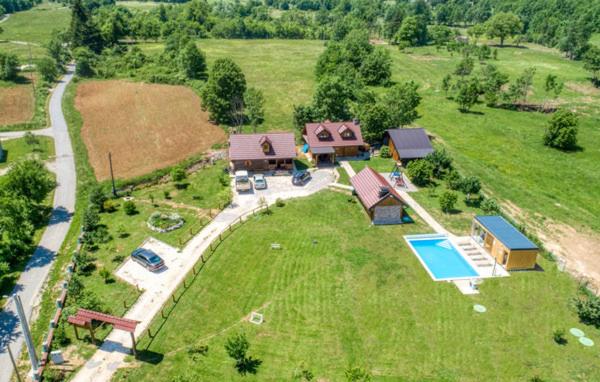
pixel 262 152
pixel 328 140
pixel 381 201
pixel 408 144
pixel 510 248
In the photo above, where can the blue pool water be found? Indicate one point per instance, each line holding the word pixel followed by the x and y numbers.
pixel 441 258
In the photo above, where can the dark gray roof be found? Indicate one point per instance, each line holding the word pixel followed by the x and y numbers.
pixel 411 143
pixel 508 235
pixel 322 150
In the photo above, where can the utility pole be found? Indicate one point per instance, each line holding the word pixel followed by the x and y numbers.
pixel 12 360
pixel 27 335
pixel 112 176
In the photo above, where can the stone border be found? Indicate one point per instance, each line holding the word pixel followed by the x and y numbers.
pixel 176 218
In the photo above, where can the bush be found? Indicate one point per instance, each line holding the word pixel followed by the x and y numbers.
pixel 178 174
pixel 454 180
pixel 420 172
pixel 559 336
pixel 91 219
pixel 130 208
pixel 588 309
pixel 490 206
pixel 385 152
pixel 448 201
pixel 110 206
pixel 167 194
pixel 357 374
pixel 279 202
pixel 106 275
pixel 441 162
pixel 98 198
pixel 470 185
pixel 562 130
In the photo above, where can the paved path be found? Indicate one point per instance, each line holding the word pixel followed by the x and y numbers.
pixel 32 279
pixel 159 287
pixel 47 132
pixel 346 165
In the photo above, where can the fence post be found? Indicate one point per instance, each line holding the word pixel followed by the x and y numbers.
pixel 173 297
pixel 150 333
pixel 124 304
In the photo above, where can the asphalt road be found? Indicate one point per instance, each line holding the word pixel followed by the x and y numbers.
pixel 31 282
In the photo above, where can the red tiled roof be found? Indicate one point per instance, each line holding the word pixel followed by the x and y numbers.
pixel 249 146
pixel 334 128
pixel 368 183
pixel 85 317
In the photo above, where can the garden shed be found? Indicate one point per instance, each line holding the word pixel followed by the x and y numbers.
pixel 383 204
pixel 510 247
pixel 407 144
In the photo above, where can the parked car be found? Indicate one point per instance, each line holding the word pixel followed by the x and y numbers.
pixel 301 177
pixel 260 183
pixel 148 259
pixel 242 182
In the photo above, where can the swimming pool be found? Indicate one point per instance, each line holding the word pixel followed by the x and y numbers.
pixel 440 257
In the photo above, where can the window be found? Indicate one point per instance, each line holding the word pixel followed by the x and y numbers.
pixel 266 147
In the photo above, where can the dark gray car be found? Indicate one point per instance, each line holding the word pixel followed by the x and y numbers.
pixel 148 259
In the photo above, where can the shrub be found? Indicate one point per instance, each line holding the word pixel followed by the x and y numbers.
pixel 178 174
pixel 385 152
pixel 490 206
pixel 559 336
pixel 357 374
pixel 195 351
pixel 110 206
pixel 562 130
pixel 420 172
pixel 98 198
pixel 167 194
pixel 441 162
pixel 279 202
pixel 448 201
pixel 470 185
pixel 91 219
pixel 130 208
pixel 106 275
pixel 122 232
pixel 454 180
pixel 588 309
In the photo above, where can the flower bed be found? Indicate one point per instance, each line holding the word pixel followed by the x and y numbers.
pixel 163 222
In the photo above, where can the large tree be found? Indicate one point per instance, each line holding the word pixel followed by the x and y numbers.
pixel 192 61
pixel 402 101
pixel 332 98
pixel 374 121
pixel 592 63
pixel 503 25
pixel 224 90
pixel 9 66
pixel 29 179
pixel 562 130
pixel 413 32
pixel 83 30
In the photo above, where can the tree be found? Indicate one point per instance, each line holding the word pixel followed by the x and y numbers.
pixel 191 61
pixel 441 162
pixel 468 94
pixel 9 66
pixel 98 197
pixel 476 31
pixel 448 201
pixel 29 179
pixel 420 172
pixel 374 121
pixel 492 83
pixel 130 208
pixel 254 101
pixel 441 35
pixel 562 130
pixel 178 174
pixel 237 348
pixel 86 60
pixel 413 32
pixel 503 25
pixel 490 206
pixel 402 101
pixel 226 84
pixel 574 37
pixel 453 180
pixel 332 98
pixel 520 88
pixel 83 31
pixel 91 219
pixel 447 84
pixel 376 68
pixel 47 68
pixel 553 86
pixel 592 63
pixel 470 185
pixel 464 67
pixel 304 114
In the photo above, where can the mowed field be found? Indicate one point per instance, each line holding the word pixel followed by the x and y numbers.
pixel 16 104
pixel 343 293
pixel 144 126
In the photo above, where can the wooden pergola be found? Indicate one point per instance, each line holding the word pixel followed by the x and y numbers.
pixel 84 318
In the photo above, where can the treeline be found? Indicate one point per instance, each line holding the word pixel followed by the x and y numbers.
pixel 11 6
pixel 22 193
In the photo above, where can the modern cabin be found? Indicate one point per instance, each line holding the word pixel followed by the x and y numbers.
pixel 328 140
pixel 262 152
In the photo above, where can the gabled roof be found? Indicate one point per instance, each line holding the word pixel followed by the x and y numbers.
pixel 311 130
pixel 411 143
pixel 368 185
pixel 508 235
pixel 249 146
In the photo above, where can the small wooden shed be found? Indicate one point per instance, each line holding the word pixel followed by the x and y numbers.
pixel 408 143
pixel 504 242
pixel 383 204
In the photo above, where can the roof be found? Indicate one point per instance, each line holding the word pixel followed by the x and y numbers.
pixel 323 150
pixel 411 143
pixel 85 317
pixel 368 184
pixel 335 129
pixel 508 235
pixel 249 146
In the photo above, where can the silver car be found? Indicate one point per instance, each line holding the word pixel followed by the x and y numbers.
pixel 260 183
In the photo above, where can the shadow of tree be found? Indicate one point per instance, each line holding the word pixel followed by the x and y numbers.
pixel 248 365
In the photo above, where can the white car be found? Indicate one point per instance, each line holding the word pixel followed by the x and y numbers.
pixel 260 183
pixel 242 182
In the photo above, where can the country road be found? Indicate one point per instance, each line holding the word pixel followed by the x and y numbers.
pixel 32 280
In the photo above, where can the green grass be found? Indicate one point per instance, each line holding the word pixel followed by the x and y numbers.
pixel 16 149
pixel 376 163
pixel 360 297
pixel 141 5
pixel 344 177
pixel 36 25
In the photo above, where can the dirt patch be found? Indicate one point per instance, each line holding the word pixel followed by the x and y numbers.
pixel 584 89
pixel 16 104
pixel 144 126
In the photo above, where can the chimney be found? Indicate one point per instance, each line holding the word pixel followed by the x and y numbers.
pixel 356 121
pixel 383 191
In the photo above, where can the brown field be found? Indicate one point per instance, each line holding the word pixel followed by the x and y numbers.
pixel 144 126
pixel 16 104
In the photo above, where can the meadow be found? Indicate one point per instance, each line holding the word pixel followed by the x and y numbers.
pixel 36 25
pixel 343 293
pixel 21 148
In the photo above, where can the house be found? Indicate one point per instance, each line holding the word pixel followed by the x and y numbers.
pixel 383 204
pixel 328 140
pixel 407 144
pixel 262 152
pixel 504 242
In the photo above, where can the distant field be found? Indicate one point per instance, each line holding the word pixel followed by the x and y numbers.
pixel 144 126
pixel 16 104
pixel 36 25
pixel 140 4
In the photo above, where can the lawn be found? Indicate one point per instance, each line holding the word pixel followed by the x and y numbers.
pixel 37 24
pixel 16 149
pixel 375 162
pixel 343 293
pixel 344 177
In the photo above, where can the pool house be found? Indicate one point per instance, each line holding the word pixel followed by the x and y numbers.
pixel 511 248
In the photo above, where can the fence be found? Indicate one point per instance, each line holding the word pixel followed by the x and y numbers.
pixel 170 305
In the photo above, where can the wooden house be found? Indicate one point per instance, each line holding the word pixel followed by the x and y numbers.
pixel 262 152
pixel 408 144
pixel 383 204
pixel 504 242
pixel 328 140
